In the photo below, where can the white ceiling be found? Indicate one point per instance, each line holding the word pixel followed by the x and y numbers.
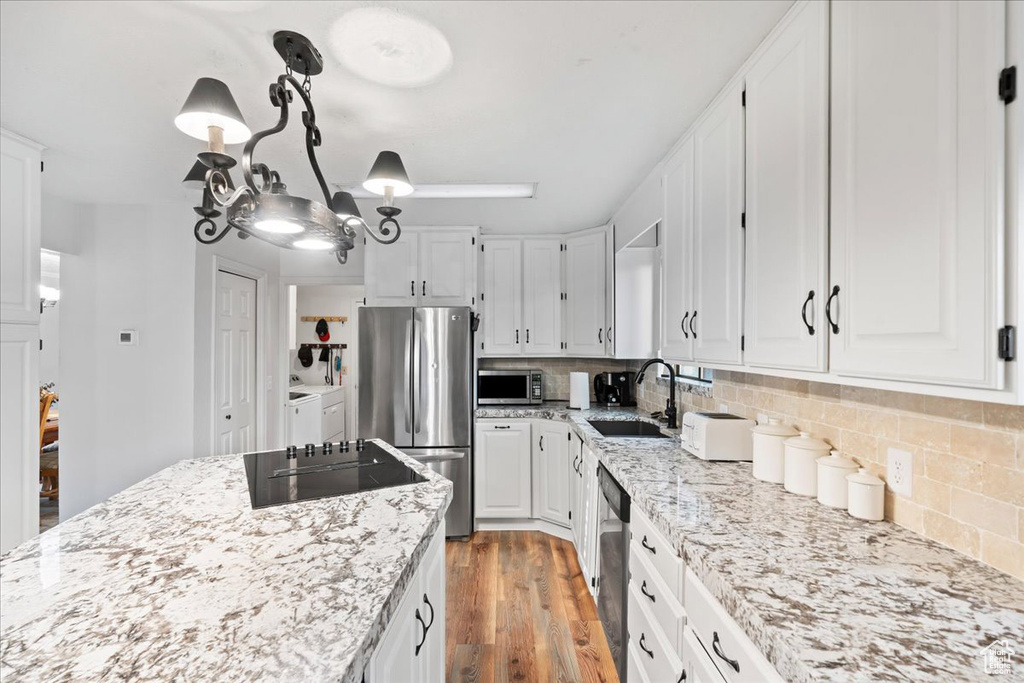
pixel 582 98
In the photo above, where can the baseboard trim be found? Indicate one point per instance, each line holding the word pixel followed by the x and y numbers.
pixel 555 530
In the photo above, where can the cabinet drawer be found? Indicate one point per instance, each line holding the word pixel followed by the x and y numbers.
pixel 698 663
pixel 655 547
pixel 658 658
pixel 634 671
pixel 735 656
pixel 662 604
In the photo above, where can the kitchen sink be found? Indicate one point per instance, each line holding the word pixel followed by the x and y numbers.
pixel 628 428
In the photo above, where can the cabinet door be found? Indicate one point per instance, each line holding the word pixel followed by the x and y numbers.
pixel 391 272
pixel 432 609
pixel 20 204
pixel 589 492
pixel 447 269
pixel 787 197
pixel 677 256
pixel 636 277
pixel 718 232
pixel 550 476
pixel 395 658
pixel 19 433
pixel 917 191
pixel 542 297
pixel 585 284
pixel 503 297
pixel 503 470
pixel 575 458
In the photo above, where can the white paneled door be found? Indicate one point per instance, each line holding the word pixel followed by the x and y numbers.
pixel 586 279
pixel 787 196
pixel 542 296
pixel 447 269
pixel 235 364
pixel 392 270
pixel 19 434
pixel 503 297
pixel 917 190
pixel 718 232
pixel 677 255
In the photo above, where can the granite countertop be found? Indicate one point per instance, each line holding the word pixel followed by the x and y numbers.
pixel 824 596
pixel 178 578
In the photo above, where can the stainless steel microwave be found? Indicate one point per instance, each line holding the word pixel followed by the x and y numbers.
pixel 508 387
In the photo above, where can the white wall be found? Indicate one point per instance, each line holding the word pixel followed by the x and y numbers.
pixel 62 223
pixel 297 265
pixel 126 411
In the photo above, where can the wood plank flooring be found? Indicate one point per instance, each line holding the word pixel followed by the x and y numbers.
pixel 519 610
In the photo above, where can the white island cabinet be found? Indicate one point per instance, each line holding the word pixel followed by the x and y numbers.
pixel 413 645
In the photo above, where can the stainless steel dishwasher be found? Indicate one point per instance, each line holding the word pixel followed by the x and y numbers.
pixel 613 577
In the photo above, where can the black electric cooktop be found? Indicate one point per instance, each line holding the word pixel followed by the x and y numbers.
pixel 322 471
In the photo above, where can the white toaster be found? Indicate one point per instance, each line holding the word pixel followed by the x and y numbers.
pixel 717 436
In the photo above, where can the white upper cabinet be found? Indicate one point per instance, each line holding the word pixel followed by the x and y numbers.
pixel 586 279
pixel 787 197
pixel 392 271
pixel 542 296
pixel 718 231
pixel 502 297
pixel 425 267
pixel 447 268
pixel 636 309
pixel 19 229
pixel 677 256
pixel 917 191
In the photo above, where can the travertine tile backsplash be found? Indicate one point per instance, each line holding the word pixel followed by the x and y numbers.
pixel 968 487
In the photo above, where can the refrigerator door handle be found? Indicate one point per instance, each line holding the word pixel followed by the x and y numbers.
pixel 441 456
pixel 417 374
pixel 408 380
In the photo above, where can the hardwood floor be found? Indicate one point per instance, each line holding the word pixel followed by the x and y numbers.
pixel 519 610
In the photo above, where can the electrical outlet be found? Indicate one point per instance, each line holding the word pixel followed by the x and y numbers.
pixel 899 471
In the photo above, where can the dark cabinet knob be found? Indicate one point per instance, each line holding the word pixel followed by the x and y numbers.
pixel 227 417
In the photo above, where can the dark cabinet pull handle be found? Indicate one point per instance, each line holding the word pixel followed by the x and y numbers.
pixel 227 417
pixel 427 601
pixel 828 310
pixel 686 333
pixel 693 330
pixel 608 335
pixel 502 427
pixel 424 288
pixel 654 551
pixel 412 288
pixel 517 336
pixel 599 331
pixel 803 312
pixel 420 619
pixel 643 589
pixel 527 335
pixel 682 677
pixel 716 645
pixel 542 442
pixel 644 647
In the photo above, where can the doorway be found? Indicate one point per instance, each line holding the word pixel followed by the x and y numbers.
pixel 235 366
pixel 49 389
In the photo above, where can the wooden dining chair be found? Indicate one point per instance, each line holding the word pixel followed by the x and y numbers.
pixel 48 474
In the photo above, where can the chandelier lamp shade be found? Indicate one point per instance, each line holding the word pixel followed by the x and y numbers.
pixel 262 206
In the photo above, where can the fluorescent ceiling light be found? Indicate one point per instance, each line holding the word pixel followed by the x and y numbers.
pixel 458 191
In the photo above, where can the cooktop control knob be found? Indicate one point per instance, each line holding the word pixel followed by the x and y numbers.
pixel 360 444
pixel 290 452
pixel 310 449
pixel 328 447
pixel 343 446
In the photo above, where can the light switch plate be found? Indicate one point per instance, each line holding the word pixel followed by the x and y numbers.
pixel 899 471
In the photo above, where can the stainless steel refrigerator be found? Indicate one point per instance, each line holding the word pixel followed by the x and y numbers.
pixel 416 393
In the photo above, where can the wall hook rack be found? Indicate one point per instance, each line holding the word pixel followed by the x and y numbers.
pixel 324 346
pixel 329 318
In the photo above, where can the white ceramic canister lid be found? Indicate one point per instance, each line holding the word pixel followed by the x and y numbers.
pixel 837 461
pixel 862 477
pixel 807 442
pixel 774 427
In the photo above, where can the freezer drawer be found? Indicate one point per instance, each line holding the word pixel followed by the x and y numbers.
pixel 456 465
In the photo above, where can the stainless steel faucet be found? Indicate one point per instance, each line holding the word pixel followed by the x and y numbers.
pixel 670 409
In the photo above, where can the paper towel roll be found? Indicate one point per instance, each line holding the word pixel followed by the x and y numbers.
pixel 579 390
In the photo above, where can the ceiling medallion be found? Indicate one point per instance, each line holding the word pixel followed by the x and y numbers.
pixel 262 207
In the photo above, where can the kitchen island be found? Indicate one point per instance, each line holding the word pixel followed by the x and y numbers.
pixel 179 578
pixel 821 595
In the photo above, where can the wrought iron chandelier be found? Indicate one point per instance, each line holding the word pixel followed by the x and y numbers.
pixel 262 207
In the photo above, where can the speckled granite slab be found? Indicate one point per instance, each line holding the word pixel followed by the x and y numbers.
pixel 824 596
pixel 178 579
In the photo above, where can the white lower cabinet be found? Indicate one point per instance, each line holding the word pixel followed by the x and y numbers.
pixel 697 663
pixel 575 458
pixel 413 645
pixel 503 470
pixel 586 542
pixel 550 476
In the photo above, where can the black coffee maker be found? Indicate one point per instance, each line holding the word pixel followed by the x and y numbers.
pixel 615 388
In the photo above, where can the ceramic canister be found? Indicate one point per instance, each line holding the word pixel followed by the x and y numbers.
pixel 801 466
pixel 866 496
pixel 832 484
pixel 769 450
